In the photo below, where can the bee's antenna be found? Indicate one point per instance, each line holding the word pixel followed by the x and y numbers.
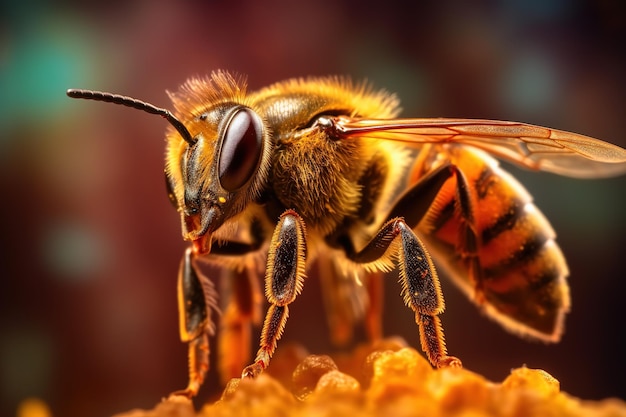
pixel 135 104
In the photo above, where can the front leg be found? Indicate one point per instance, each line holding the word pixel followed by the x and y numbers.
pixel 197 299
pixel 284 279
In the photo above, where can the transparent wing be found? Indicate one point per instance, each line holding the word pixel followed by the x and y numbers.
pixel 533 147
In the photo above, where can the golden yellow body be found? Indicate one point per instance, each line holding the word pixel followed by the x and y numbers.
pixel 320 171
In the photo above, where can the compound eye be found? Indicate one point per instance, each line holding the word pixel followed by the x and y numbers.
pixel 241 151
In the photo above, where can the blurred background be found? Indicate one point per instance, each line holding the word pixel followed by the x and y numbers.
pixel 90 243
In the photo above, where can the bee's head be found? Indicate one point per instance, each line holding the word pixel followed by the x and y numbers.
pixel 217 152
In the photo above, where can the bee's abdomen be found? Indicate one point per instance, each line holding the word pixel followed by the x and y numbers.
pixel 521 279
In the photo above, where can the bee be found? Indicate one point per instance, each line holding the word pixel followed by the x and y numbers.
pixel 321 171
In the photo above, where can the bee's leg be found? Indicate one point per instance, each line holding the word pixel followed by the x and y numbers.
pixel 469 238
pixel 242 298
pixel 414 205
pixel 420 286
pixel 197 299
pixel 283 282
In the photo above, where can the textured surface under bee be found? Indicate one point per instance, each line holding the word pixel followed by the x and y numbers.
pixel 386 381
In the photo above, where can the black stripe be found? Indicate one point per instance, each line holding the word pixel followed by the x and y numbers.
pixel 529 251
pixel 538 304
pixel 507 220
pixel 547 277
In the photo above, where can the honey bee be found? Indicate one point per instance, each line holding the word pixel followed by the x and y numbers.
pixel 320 171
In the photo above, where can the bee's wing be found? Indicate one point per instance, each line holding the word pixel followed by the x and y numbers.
pixel 533 147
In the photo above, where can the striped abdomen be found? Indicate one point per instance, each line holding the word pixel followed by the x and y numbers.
pixel 521 278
